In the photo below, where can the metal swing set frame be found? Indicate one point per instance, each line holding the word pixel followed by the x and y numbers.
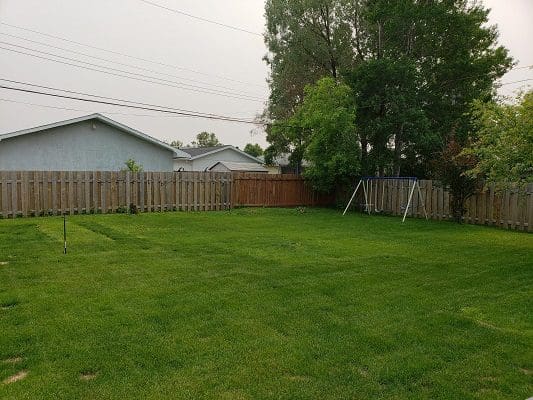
pixel 370 187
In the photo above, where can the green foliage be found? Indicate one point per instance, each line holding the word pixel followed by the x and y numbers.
pixel 176 143
pixel 206 139
pixel 415 68
pixel 307 40
pixel 131 165
pixel 451 167
pixel 391 121
pixel 332 150
pixel 253 149
pixel 270 155
pixel 504 144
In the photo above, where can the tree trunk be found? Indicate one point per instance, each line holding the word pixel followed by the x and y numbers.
pixel 364 155
pixel 397 156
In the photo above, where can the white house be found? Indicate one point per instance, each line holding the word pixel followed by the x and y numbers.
pixel 90 143
pixel 206 158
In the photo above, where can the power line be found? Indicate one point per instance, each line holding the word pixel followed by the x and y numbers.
pixel 87 111
pixel 178 85
pixel 130 56
pixel 92 111
pixel 236 28
pixel 479 75
pixel 111 61
pixel 227 119
pixel 510 83
pixel 131 73
pixel 110 98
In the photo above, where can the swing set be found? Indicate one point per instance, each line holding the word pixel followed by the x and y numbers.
pixel 371 186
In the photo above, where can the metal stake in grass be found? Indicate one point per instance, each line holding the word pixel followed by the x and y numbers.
pixel 64 234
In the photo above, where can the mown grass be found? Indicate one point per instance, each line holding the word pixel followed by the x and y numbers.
pixel 264 304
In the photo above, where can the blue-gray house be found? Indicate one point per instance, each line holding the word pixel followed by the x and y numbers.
pixel 90 143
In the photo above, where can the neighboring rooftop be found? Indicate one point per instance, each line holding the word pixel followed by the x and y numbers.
pixel 241 167
pixel 198 151
pixel 99 117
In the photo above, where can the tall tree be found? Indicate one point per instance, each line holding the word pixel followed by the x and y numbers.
pixel 306 39
pixel 415 67
pixel 253 149
pixel 206 139
pixel 327 114
pixel 390 118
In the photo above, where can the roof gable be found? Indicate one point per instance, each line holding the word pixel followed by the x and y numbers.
pixel 238 166
pixel 199 152
pixel 108 121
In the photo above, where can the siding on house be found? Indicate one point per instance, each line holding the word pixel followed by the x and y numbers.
pixel 90 145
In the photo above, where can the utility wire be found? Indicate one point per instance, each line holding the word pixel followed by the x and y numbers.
pixel 227 119
pixel 113 98
pixel 210 21
pixel 87 111
pixel 510 83
pixel 178 86
pixel 130 56
pixel 476 76
pixel 113 62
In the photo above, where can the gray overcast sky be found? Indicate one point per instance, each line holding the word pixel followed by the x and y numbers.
pixel 139 29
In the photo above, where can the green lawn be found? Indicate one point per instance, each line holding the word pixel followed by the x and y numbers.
pixel 264 304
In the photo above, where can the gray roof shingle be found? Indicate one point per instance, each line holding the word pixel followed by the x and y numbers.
pixel 197 151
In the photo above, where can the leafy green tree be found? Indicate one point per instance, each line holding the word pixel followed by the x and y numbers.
pixel 131 165
pixel 177 144
pixel 418 66
pixel 452 58
pixel 504 144
pixel 270 155
pixel 206 139
pixel 307 40
pixel 287 137
pixel 253 149
pixel 391 122
pixel 328 114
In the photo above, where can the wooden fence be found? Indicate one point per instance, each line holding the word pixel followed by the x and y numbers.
pixel 32 193
pixel 510 209
pixel 53 193
pixel 264 190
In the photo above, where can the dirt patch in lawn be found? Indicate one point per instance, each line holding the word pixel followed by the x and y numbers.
pixel 17 377
pixel 88 375
pixel 298 378
pixel 12 360
pixel 2 263
pixel 8 305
